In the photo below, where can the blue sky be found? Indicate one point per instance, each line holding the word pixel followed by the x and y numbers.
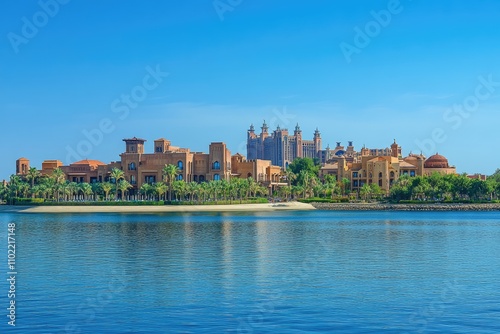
pixel 420 69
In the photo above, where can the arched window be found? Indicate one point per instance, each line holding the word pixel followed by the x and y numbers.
pixel 179 177
pixel 216 177
pixel 201 178
pixel 371 175
pixel 380 183
pixel 392 174
pixel 131 166
pixel 216 165
pixel 380 175
pixel 195 178
pixel 180 165
pixel 249 175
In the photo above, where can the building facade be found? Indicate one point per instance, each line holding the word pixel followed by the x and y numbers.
pixel 382 167
pixel 140 167
pixel 281 147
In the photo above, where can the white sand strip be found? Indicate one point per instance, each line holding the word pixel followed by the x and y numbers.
pixel 160 208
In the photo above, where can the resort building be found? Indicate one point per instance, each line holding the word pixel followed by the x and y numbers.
pixel 140 167
pixel 381 167
pixel 281 147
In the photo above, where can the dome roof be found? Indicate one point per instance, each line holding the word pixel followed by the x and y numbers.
pixel 436 161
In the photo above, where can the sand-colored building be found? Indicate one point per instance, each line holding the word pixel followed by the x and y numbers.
pixel 140 167
pixel 375 167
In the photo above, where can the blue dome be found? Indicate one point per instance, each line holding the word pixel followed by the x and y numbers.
pixel 339 153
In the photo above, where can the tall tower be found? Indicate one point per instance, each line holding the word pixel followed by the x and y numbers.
pixel 395 150
pixel 251 131
pixel 252 144
pixel 22 166
pixel 265 130
pixel 134 145
pixel 298 142
pixel 317 142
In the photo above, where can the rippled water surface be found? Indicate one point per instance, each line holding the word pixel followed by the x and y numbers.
pixel 300 272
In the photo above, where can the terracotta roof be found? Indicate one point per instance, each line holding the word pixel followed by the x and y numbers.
pixel 436 161
pixel 93 163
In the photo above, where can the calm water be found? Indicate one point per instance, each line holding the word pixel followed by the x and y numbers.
pixel 308 272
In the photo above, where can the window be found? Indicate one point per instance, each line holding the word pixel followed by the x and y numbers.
pixel 380 175
pixel 216 165
pixel 179 177
pixel 216 177
pixel 412 173
pixel 355 183
pixel 392 175
pixel 133 180
pixel 355 174
pixel 380 183
pixel 195 178
pixel 201 178
pixel 180 165
pixel 150 179
pixel 158 149
pixel 132 166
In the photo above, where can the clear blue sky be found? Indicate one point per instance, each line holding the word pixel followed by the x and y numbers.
pixel 283 61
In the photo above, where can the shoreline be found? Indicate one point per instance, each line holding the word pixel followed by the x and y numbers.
pixel 406 207
pixel 267 207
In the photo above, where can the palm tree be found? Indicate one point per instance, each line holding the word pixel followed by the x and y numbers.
pixel 86 189
pixel 145 190
pixel 73 189
pixel 169 173
pixel 365 191
pixel 32 175
pixel 106 188
pixel 59 179
pixel 160 189
pixel 123 186
pixel 96 190
pixel 117 175
pixel 180 189
pixel 204 190
pixel 345 183
pixel 252 186
pixel 192 189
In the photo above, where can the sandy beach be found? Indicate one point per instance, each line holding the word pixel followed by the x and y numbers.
pixel 159 209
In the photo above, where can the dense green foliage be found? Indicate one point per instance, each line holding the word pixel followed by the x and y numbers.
pixel 299 182
pixel 438 187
